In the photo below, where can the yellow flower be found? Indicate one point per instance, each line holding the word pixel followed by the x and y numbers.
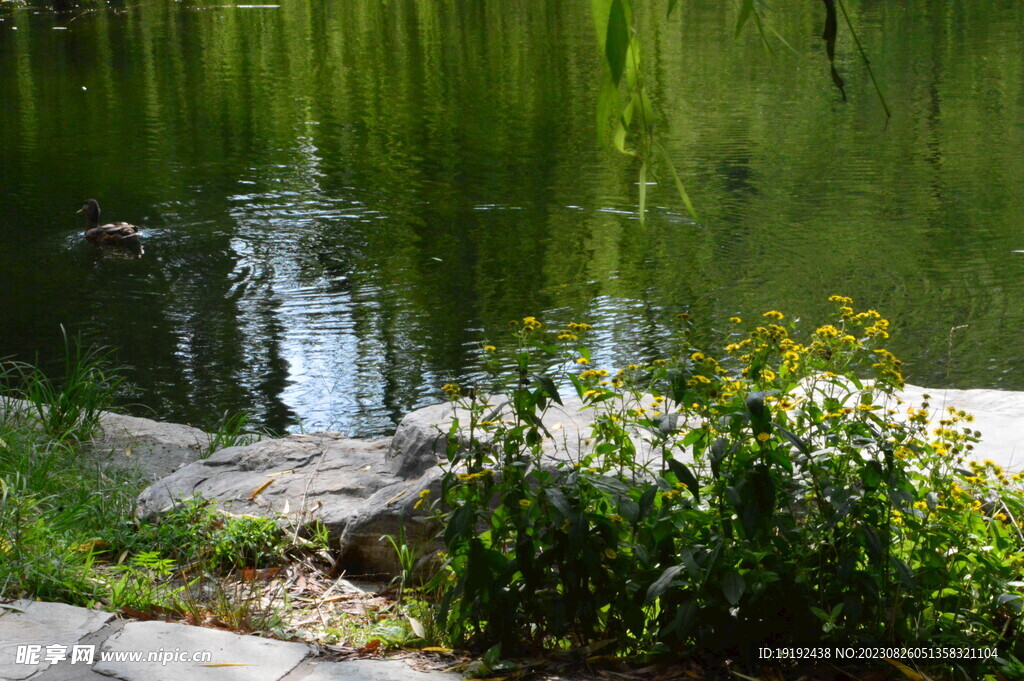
pixel 735 320
pixel 452 389
pixel 525 503
pixel 583 360
pixel 489 348
pixel 774 314
pixel 903 452
pixel 763 437
pixel 610 554
pixel 840 300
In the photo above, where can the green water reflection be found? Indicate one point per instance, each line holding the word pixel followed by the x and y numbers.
pixel 342 199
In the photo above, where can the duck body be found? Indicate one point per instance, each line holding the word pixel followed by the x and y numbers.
pixel 112 233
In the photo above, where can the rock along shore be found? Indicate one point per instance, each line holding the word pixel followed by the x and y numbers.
pixel 364 489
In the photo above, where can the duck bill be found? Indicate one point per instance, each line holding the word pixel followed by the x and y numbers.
pixel 80 210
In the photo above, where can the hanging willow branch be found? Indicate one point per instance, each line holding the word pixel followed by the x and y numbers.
pixel 624 101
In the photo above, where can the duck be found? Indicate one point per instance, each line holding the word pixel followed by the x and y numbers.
pixel 115 232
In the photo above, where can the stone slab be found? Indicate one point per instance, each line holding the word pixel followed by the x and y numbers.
pixel 233 657
pixel 374 670
pixel 27 622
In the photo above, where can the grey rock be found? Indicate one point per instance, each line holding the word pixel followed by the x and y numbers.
pixel 27 622
pixel 153 448
pixel 421 438
pixel 150 448
pixel 245 658
pixel 400 511
pixel 323 477
pixel 374 670
pixel 998 416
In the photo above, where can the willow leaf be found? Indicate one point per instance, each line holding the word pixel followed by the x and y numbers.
pixel 679 183
pixel 617 40
pixel 643 190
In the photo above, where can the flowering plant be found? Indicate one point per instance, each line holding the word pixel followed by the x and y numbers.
pixel 781 493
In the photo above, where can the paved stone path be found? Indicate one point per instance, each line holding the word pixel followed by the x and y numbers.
pixel 46 632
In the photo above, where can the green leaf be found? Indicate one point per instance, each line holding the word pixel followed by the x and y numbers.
pixel 871 475
pixel 643 191
pixel 680 189
pixel 607 104
pixel 718 451
pixel 686 477
pixel 733 587
pixel 667 423
pixel 746 8
pixel 756 407
pixel 647 499
pixel 662 583
pixel 609 485
pixel 1014 601
pixel 578 384
pixel 691 437
pixel 617 40
pixel 557 499
pixel 757 500
pixel 829 36
pixel 794 439
pixel 780 458
pixel 548 386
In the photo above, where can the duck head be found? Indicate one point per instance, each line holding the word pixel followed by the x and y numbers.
pixel 91 208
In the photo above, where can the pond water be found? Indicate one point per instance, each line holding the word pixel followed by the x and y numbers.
pixel 342 200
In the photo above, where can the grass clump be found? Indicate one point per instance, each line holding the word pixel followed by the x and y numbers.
pixel 68 530
pixel 67 408
pixel 779 494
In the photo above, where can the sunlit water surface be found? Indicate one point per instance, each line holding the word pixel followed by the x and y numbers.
pixel 343 200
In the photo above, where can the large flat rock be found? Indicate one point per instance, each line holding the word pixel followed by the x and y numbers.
pixel 998 415
pixel 422 436
pixel 323 477
pixel 232 657
pixel 27 622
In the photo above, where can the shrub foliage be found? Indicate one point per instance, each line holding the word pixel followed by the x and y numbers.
pixel 781 493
